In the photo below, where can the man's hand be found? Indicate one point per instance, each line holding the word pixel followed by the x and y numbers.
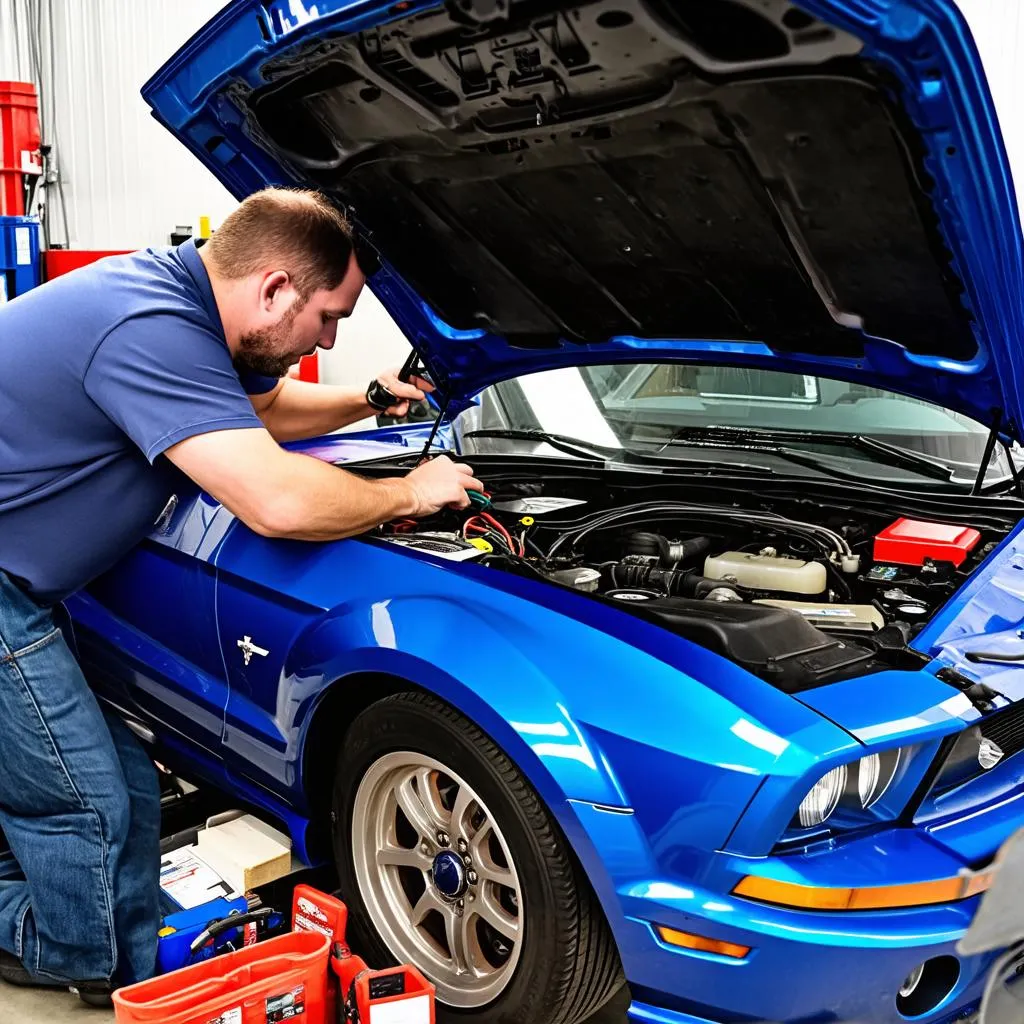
pixel 441 483
pixel 413 391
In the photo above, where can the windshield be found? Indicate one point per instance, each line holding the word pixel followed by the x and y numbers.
pixel 682 411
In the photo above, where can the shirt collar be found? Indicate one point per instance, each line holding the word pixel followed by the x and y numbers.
pixel 188 253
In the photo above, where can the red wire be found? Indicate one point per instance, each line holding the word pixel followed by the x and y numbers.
pixel 512 545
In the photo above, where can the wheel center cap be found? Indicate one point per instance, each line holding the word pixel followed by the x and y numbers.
pixel 449 875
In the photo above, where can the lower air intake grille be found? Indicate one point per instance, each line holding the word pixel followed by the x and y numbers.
pixel 1006 730
pixel 992 741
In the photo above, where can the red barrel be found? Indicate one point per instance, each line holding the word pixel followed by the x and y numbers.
pixel 19 144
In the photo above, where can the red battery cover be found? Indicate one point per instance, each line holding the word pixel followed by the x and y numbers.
pixel 910 542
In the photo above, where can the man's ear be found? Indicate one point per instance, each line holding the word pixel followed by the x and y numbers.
pixel 272 288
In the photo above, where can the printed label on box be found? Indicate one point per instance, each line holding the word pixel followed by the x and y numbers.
pixel 309 907
pixel 23 245
pixel 190 882
pixel 401 1011
pixel 304 924
pixel 232 1016
pixel 287 1005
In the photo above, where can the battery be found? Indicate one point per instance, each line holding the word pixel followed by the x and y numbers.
pixel 913 542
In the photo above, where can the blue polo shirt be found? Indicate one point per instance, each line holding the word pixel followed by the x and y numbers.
pixel 101 371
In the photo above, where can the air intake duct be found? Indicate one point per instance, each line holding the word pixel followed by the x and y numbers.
pixel 668 553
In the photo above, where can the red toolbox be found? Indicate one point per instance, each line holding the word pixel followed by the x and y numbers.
pixel 277 980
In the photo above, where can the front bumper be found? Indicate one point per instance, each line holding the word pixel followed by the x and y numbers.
pixel 646 1014
pixel 812 976
pixel 803 967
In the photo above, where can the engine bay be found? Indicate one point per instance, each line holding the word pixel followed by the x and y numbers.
pixel 798 599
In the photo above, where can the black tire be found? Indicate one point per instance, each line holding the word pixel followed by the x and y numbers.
pixel 569 965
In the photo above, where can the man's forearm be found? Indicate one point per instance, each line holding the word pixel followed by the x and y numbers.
pixel 301 409
pixel 319 502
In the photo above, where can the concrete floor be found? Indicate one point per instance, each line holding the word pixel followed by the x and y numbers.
pixel 28 1006
pixel 32 1006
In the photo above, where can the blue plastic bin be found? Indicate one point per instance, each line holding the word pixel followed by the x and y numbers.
pixel 19 256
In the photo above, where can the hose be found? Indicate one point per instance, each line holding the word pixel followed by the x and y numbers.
pixel 836 543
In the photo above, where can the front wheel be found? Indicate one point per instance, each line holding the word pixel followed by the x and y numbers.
pixel 449 861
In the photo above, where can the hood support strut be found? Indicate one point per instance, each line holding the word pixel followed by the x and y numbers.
pixel 986 459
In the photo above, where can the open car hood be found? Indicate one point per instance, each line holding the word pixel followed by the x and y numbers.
pixel 820 189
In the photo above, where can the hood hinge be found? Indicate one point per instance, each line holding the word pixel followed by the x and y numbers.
pixel 982 697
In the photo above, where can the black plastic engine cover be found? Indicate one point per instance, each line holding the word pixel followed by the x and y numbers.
pixel 777 644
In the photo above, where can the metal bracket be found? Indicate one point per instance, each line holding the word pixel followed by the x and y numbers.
pixel 478 12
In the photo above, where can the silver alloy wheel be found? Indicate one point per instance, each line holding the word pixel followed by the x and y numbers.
pixel 437 877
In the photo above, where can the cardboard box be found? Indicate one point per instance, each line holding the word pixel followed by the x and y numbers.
pixel 245 852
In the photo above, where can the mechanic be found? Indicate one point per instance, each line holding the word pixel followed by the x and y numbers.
pixel 120 381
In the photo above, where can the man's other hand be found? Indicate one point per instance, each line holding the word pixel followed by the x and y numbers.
pixel 415 390
pixel 441 483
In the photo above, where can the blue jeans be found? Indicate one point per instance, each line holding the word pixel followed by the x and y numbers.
pixel 80 807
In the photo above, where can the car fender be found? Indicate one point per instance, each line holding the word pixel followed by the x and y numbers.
pixel 557 696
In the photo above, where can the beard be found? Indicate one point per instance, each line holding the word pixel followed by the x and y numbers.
pixel 266 352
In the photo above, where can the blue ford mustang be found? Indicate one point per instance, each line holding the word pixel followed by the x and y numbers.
pixel 715 690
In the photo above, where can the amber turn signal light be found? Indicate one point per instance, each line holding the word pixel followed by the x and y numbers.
pixel 881 897
pixel 686 940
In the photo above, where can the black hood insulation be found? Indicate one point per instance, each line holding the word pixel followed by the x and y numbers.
pixel 700 168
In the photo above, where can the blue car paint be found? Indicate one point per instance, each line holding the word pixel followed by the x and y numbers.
pixel 671 791
pixel 923 43
pixel 648 784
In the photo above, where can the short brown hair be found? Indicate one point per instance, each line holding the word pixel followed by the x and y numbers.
pixel 296 230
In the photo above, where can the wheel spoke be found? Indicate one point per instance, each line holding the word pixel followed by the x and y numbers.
pixel 424 905
pixel 426 786
pixel 478 845
pixel 418 813
pixel 400 857
pixel 459 810
pixel 486 868
pixel 491 872
pixel 497 916
pixel 456 930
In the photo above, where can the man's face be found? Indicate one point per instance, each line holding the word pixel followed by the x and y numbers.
pixel 286 328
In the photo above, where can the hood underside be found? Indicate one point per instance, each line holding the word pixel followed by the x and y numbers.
pixel 551 183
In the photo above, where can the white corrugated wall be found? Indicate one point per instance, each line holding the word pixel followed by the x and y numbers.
pixel 14 47
pixel 998 30
pixel 126 180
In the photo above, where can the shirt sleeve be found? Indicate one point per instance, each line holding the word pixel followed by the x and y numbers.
pixel 254 384
pixel 163 378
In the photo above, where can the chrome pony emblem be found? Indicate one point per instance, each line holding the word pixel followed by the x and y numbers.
pixel 248 649
pixel 989 754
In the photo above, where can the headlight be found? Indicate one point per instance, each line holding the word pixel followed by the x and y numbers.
pixel 817 807
pixel 854 787
pixel 874 776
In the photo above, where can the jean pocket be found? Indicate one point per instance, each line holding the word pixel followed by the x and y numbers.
pixel 38 645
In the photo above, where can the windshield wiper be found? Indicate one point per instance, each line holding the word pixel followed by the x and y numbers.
pixel 882 450
pixel 569 445
pixel 588 450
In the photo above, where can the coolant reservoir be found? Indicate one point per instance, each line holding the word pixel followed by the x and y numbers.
pixel 767 572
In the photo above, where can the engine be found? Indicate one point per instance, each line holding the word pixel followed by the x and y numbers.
pixel 793 600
